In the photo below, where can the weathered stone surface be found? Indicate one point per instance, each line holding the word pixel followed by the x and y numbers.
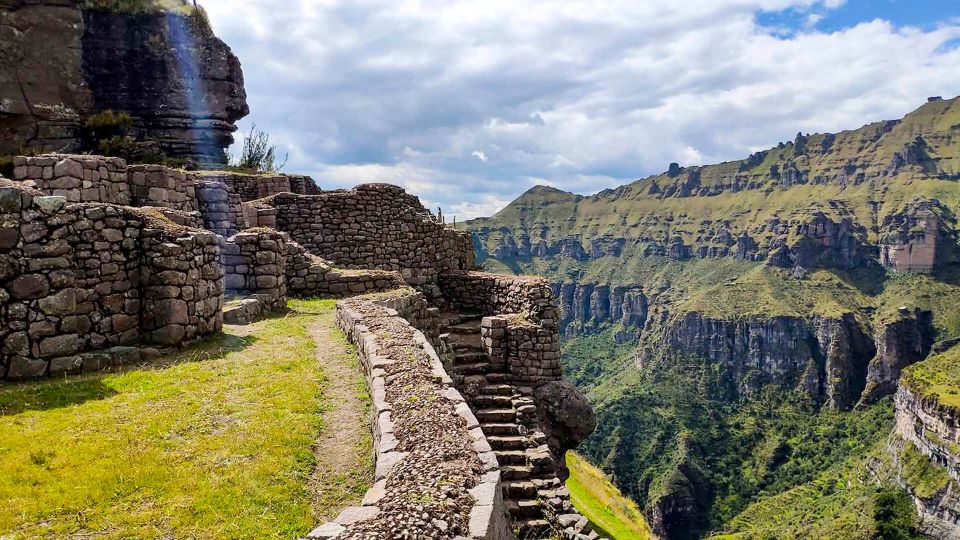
pixel 29 286
pixel 66 63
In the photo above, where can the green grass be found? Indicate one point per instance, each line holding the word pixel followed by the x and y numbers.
pixel 611 514
pixel 936 377
pixel 925 478
pixel 212 442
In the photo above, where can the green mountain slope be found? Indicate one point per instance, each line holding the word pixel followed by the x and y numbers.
pixel 738 326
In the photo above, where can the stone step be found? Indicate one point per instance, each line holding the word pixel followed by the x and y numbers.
pixel 466 341
pixel 497 389
pixel 522 489
pixel 470 357
pixel 495 415
pixel 465 327
pixel 524 508
pixel 500 429
pixel 511 457
pixel 499 378
pixel 514 472
pixel 533 528
pixel 472 369
pixel 508 442
pixel 450 318
pixel 491 402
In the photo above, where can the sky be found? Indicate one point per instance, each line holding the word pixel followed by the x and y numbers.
pixel 468 104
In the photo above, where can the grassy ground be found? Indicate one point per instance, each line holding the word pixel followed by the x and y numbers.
pixel 214 442
pixel 612 514
pixel 937 377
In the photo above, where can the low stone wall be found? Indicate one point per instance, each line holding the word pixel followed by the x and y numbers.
pixel 78 178
pixel 373 226
pixel 90 276
pixel 155 185
pixel 521 327
pixel 436 476
pixel 257 186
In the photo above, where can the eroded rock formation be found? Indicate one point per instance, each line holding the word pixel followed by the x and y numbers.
pixel 181 85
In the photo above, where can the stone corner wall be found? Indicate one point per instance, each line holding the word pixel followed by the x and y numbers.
pixel 79 279
pixel 449 461
pixel 520 328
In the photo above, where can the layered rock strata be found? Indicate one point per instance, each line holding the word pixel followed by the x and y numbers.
pixel 931 428
pixel 182 87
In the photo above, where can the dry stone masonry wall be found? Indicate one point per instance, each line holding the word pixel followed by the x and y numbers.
pixel 373 226
pixel 90 276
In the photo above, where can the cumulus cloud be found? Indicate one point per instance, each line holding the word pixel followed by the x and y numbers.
pixel 467 104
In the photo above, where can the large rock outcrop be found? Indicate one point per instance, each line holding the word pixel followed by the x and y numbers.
pixel 180 84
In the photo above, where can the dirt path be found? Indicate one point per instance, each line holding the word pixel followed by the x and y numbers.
pixel 344 448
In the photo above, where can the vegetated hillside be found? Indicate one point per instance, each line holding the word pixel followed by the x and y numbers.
pixel 611 514
pixel 739 325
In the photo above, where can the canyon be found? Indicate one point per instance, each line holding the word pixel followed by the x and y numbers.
pixel 820 269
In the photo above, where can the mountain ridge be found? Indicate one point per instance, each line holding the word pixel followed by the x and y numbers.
pixel 801 280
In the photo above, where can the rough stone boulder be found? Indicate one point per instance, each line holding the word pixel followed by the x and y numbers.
pixel 565 417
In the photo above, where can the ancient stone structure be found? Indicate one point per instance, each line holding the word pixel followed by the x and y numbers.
pixel 89 284
pixel 182 87
pixel 373 226
pixel 87 277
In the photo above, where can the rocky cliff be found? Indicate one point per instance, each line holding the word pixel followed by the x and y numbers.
pixel 67 62
pixel 925 444
pixel 807 241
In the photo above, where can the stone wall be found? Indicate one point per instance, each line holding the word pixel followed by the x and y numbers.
pixel 255 262
pixel 373 226
pixel 155 185
pixel 521 324
pixel 426 439
pixel 183 286
pixel 217 195
pixel 258 186
pixel 91 276
pixel 78 178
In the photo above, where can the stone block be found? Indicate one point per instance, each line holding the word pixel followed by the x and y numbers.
pixel 65 345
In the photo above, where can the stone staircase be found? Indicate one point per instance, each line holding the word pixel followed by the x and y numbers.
pixel 508 417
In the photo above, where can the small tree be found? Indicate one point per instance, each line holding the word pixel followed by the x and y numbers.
pixel 258 154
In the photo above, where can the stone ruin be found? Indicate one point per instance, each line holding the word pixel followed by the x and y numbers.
pixel 104 264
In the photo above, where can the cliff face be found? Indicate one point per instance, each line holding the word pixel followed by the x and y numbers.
pixel 181 85
pixel 925 451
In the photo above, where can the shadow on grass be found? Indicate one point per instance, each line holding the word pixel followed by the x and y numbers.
pixel 43 395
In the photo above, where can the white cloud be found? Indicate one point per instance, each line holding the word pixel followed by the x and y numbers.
pixel 583 93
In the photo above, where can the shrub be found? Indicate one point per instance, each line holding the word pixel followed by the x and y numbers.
pixel 894 516
pixel 257 154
